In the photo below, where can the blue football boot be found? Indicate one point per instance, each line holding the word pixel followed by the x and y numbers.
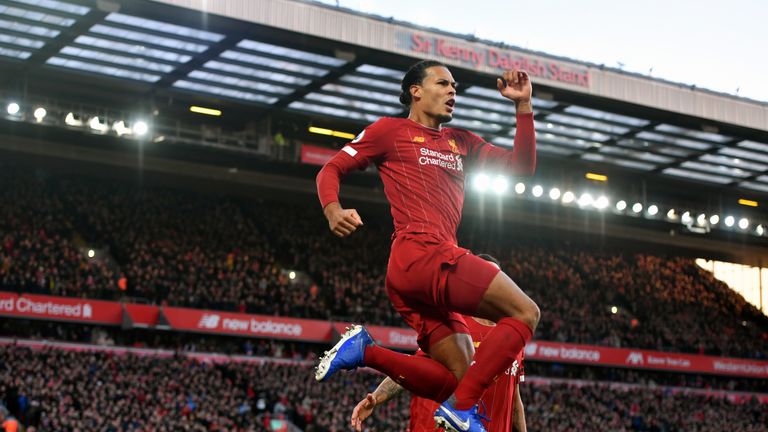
pixel 454 420
pixel 347 354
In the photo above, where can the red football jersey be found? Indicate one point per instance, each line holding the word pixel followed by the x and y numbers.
pixel 423 169
pixel 499 398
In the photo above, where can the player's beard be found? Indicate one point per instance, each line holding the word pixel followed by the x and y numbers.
pixel 444 118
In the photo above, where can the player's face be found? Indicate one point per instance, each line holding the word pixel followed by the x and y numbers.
pixel 436 96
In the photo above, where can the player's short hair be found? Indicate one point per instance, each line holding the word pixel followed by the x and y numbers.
pixel 415 75
pixel 490 258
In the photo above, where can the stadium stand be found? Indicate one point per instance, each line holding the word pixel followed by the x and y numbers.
pixel 181 248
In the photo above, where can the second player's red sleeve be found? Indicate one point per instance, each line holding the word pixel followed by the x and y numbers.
pixel 366 148
pixel 521 160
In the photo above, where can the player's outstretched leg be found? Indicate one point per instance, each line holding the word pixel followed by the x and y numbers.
pixel 347 354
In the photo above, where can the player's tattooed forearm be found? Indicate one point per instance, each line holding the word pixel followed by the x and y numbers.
pixel 388 389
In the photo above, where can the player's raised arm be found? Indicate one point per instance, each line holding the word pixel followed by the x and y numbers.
pixel 515 86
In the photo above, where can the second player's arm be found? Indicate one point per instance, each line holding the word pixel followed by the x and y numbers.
pixel 519 423
pixel 386 390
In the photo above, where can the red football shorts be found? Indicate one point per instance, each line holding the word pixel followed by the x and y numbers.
pixel 431 283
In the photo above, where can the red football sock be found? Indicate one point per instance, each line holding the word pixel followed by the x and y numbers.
pixel 496 353
pixel 421 376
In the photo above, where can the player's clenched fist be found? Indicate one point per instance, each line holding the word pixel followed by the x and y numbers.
pixel 342 222
pixel 515 85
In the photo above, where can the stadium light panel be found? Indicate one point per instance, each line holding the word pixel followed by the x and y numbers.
pixel 256 73
pixel 748 203
pixel 537 191
pixel 40 114
pixel 13 108
pixel 19 54
pixel 292 275
pixel 714 219
pixel 500 184
pixel 141 37
pixel 132 49
pixel 637 207
pixel 743 223
pixel 568 197
pixel 331 132
pixel 21 41
pixel 291 53
pixel 653 210
pixel 729 221
pixel 554 193
pixel 701 219
pixel 164 27
pixel 520 188
pixel 227 92
pixel 38 17
pixel 140 128
pixel 57 6
pixel 614 310
pixel 102 69
pixel 596 177
pixel 272 63
pixel 91 253
pixel 671 214
pixel 71 120
pixel 120 128
pixel 315 109
pixel 96 125
pixel 760 230
pixel 585 199
pixel 482 182
pixel 219 79
pixel 601 203
pixel 621 205
pixel 204 110
pixel 686 219
pixel 120 60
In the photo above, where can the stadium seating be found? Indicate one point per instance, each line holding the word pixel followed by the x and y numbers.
pixel 200 250
pixel 53 389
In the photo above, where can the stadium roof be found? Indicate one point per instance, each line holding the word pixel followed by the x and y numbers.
pixel 163 48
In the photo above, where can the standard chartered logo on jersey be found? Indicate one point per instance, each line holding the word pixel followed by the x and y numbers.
pixel 448 161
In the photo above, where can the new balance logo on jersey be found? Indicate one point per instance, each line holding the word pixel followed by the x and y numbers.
pixel 209 321
pixel 635 358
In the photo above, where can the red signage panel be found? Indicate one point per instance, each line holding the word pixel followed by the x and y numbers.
pixel 644 359
pixel 247 325
pixel 60 308
pixel 315 155
pixel 141 315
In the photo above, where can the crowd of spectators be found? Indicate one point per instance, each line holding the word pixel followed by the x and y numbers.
pixel 244 346
pixel 52 389
pixel 169 246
